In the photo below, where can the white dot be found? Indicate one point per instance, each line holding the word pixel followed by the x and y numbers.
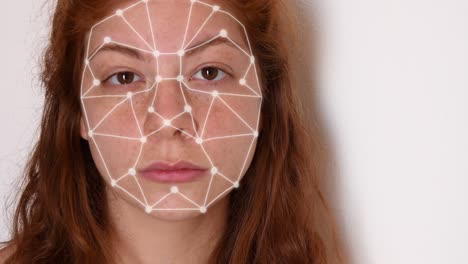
pixel 180 78
pixel 119 12
pixel 90 134
pixel 167 122
pixel 236 185
pixel 203 209
pixel 188 109
pixel 107 40
pixel 151 109
pixel 215 93
pixel 199 141
pixel 129 95
pixel 242 82
pixel 174 189
pixel 252 59
pixel 193 1
pixel 158 79
pixel 180 53
pixel 132 171
pixel 223 33
pixel 96 82
pixel 255 133
pixel 216 8
pixel 148 209
pixel 156 53
pixel 143 139
pixel 214 170
pixel 113 183
pixel 86 62
pixel 144 1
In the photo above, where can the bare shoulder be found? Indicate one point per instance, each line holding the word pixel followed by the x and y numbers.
pixel 5 252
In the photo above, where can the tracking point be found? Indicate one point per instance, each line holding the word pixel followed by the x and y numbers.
pixel 203 209
pixel 223 33
pixel 199 141
pixel 174 189
pixel 148 209
pixel 132 171
pixel 158 79
pixel 156 53
pixel 214 170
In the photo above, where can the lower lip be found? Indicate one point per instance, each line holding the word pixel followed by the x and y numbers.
pixel 173 176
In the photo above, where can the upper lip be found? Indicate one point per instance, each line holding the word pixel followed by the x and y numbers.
pixel 166 166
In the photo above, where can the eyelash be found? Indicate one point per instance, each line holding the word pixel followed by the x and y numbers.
pixel 221 72
pixel 137 77
pixel 115 75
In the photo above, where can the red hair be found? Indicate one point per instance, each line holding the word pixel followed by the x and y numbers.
pixel 279 214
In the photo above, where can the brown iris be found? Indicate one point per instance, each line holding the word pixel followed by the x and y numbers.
pixel 210 73
pixel 125 77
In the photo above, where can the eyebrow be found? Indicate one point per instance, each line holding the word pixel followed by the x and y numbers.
pixel 130 52
pixel 199 47
pixel 190 51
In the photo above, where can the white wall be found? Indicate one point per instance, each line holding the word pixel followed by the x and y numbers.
pixel 23 30
pixel 395 86
pixel 394 78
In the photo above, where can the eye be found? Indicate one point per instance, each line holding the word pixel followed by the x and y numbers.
pixel 123 78
pixel 210 74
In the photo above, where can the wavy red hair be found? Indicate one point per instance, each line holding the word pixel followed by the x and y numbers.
pixel 279 214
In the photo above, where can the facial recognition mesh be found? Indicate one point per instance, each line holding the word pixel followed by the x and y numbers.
pixel 135 140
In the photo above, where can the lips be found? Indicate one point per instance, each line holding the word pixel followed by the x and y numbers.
pixel 179 172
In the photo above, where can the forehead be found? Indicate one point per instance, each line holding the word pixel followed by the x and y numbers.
pixel 164 26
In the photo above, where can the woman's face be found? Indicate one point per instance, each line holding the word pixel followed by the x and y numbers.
pixel 171 104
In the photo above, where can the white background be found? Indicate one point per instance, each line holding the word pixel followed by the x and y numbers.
pixel 394 91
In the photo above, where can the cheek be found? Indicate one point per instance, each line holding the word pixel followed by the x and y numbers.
pixel 112 116
pixel 232 116
pixel 229 138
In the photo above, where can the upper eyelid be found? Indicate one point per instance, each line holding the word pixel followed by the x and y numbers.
pixel 228 72
pixel 110 75
pixel 221 66
pixel 227 75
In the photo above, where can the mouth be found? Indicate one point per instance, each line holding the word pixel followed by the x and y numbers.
pixel 179 172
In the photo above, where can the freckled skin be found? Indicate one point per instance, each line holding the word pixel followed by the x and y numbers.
pixel 152 66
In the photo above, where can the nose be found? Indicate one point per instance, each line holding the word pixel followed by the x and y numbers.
pixel 169 110
pixel 168 100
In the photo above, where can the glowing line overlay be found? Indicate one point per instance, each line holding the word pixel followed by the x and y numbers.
pixel 151 48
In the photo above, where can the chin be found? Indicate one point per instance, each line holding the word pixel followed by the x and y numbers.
pixel 172 208
pixel 175 215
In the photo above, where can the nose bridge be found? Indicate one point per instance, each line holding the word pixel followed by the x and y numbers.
pixel 169 101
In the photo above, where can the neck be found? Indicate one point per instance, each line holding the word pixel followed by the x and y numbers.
pixel 142 238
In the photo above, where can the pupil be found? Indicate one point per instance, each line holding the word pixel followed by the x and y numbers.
pixel 125 77
pixel 210 73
